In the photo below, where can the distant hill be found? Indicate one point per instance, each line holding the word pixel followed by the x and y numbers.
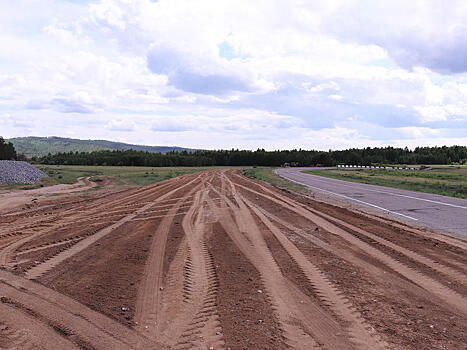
pixel 40 146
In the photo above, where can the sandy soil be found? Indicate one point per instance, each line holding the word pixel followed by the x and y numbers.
pixel 215 260
pixel 12 199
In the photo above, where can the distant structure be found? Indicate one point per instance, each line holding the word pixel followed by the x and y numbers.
pixel 374 167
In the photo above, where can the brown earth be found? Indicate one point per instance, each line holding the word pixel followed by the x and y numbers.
pixel 215 260
pixel 10 199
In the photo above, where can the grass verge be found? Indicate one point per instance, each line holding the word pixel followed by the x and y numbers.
pixel 266 174
pixel 439 180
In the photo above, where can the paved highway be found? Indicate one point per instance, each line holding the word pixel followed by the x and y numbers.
pixel 429 210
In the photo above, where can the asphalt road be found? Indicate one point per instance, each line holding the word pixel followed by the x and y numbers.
pixel 433 211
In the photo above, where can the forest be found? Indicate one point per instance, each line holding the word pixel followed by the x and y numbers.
pixel 260 157
pixel 7 150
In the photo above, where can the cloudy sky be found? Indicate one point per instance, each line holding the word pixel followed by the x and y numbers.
pixel 247 74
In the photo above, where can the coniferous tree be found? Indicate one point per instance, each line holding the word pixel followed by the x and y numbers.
pixel 7 150
pixel 260 157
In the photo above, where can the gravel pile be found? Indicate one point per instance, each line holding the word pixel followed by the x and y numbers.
pixel 20 172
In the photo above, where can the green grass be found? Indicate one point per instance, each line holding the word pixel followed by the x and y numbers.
pixel 266 174
pixel 444 180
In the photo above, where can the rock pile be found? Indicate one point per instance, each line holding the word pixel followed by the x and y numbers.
pixel 19 172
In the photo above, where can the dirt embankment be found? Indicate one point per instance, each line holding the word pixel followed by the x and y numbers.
pixel 215 260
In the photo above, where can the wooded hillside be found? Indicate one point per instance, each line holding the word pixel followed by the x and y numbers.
pixel 42 146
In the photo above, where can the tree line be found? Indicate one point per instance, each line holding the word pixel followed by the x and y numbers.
pixel 260 157
pixel 7 150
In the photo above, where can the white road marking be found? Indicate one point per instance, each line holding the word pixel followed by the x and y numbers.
pixel 356 200
pixel 394 194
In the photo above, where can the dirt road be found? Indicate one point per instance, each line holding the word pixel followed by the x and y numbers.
pixel 215 260
pixel 10 199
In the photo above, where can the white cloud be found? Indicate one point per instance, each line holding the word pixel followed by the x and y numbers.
pixel 121 125
pixel 418 132
pixel 335 97
pixel 211 74
pixel 427 33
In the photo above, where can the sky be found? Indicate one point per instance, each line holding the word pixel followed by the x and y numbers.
pixel 310 74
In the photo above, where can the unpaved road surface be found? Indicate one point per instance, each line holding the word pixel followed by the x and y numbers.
pixel 10 199
pixel 428 210
pixel 215 260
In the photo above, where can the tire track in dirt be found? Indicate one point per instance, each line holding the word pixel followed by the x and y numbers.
pixel 158 216
pixel 305 324
pixel 343 254
pixel 69 317
pixel 452 298
pixel 88 212
pixel 75 238
pixel 201 325
pixel 124 198
pixel 40 269
pixel 348 256
pixel 410 253
pixel 7 241
pixel 403 314
pixel 85 208
pixel 221 264
pixel 57 337
pixel 47 246
pixel 291 331
pixel 149 296
pixel 146 195
pixel 327 291
pixel 12 234
pixel 403 239
pixel 12 229
pixel 51 236
pixel 357 331
pixel 446 270
pixel 24 332
pixel 453 241
pixel 171 325
pixel 437 266
pixel 247 318
pixel 175 292
pixel 6 252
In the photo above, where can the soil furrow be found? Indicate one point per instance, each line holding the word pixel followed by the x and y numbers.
pixel 40 269
pixel 296 312
pixel 89 325
pixel 149 297
pixel 455 300
pixel 215 260
pixel 327 291
pixel 25 332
